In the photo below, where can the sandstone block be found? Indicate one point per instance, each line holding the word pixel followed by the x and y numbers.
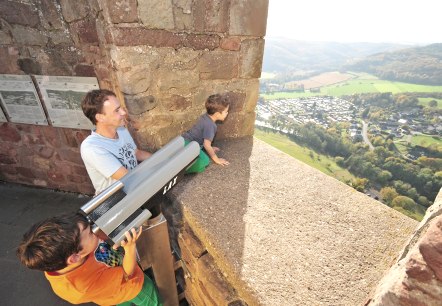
pixel 19 13
pixel 60 37
pixel 431 248
pixel 230 43
pixel 56 177
pixel 236 101
pixel 182 12
pixel 176 79
pixel 6 159
pixel 137 105
pixel 45 152
pixel 29 66
pixel 211 16
pixel 248 17
pixel 134 81
pixel 85 70
pixel 50 18
pixel 9 133
pixel 218 65
pixel 74 10
pixel 8 61
pixel 70 156
pixel 122 10
pixel 25 172
pixel 176 103
pixel 201 42
pixel 5 38
pixel 156 14
pixel 124 36
pixel 28 36
pixel 252 51
pixel 86 30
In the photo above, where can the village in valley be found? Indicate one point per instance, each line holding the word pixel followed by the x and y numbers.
pixel 279 114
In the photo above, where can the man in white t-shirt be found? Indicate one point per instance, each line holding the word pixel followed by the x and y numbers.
pixel 110 151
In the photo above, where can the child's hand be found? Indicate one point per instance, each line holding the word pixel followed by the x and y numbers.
pixel 221 161
pixel 131 238
pixel 216 149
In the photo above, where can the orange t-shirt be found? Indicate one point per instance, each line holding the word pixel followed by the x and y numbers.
pixel 95 282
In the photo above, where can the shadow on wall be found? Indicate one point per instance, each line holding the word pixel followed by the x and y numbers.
pixel 217 200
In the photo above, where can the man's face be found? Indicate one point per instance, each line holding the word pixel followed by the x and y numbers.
pixel 88 240
pixel 113 114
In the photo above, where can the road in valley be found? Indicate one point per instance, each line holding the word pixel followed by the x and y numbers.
pixel 365 136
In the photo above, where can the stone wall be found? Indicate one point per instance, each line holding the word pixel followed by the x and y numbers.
pixel 162 58
pixel 416 278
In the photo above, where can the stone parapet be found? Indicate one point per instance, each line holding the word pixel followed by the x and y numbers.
pixel 416 277
pixel 279 232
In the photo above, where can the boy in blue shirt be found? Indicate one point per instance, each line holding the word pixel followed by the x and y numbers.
pixel 204 131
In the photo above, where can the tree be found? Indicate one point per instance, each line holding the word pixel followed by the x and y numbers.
pixel 432 103
pixel 388 194
pixel 404 202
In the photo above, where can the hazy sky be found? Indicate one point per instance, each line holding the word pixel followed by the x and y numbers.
pixel 399 21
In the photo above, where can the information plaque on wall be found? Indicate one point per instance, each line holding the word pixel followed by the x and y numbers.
pixel 20 100
pixel 2 116
pixel 62 97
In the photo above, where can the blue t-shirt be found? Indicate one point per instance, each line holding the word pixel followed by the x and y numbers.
pixel 205 128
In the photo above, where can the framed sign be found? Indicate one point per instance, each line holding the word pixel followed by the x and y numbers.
pixel 62 97
pixel 2 116
pixel 20 99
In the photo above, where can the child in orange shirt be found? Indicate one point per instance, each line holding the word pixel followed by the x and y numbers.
pixel 80 269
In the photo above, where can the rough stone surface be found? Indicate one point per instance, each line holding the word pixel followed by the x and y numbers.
pixel 283 233
pixel 251 24
pixel 128 36
pixel 218 65
pixel 43 155
pixel 415 279
pixel 50 16
pixel 231 43
pixel 19 13
pixel 156 14
pixel 211 16
pixel 28 36
pixel 123 10
pixel 251 55
pixel 138 105
pixel 75 10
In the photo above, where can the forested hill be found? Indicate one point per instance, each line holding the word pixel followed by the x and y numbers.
pixel 420 65
pixel 282 55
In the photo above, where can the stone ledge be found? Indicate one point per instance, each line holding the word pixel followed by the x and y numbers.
pixel 283 233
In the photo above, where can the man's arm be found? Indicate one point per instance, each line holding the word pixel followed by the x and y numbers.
pixel 142 155
pixel 119 173
pixel 209 149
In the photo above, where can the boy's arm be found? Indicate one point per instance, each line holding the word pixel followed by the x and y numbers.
pixel 209 149
pixel 129 245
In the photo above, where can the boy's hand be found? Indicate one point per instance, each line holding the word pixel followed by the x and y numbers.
pixel 221 161
pixel 216 149
pixel 131 238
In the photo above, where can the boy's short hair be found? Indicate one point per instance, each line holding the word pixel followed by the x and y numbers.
pixel 92 103
pixel 216 103
pixel 47 245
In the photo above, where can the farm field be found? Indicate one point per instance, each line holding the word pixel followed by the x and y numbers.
pixel 321 162
pixel 425 140
pixel 324 79
pixel 363 83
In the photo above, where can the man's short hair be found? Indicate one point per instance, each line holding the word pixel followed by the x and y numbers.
pixel 47 245
pixel 92 103
pixel 216 103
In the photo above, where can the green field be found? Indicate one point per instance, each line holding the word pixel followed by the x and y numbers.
pixel 425 101
pixel 364 83
pixel 425 140
pixel 324 163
